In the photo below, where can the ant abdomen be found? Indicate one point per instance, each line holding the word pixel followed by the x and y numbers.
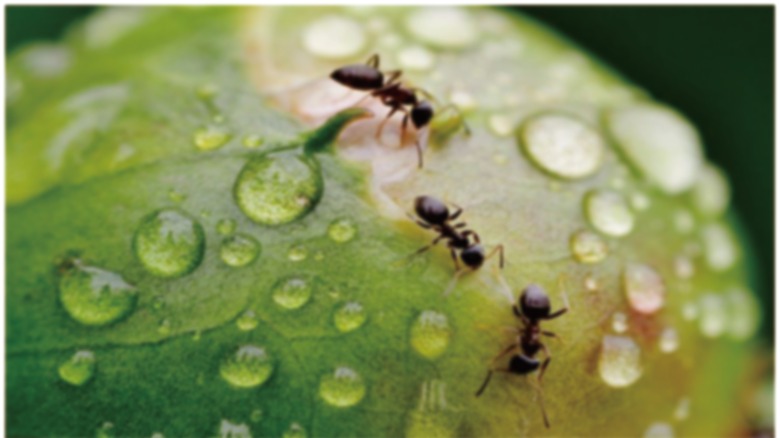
pixel 422 114
pixel 473 256
pixel 521 364
pixel 359 77
pixel 431 210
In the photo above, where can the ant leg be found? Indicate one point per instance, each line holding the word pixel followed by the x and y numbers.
pixel 471 233
pixel 453 283
pixel 454 256
pixel 373 61
pixel 484 384
pixel 541 405
pixel 458 211
pixel 500 249
pixel 459 225
pixel 384 122
pixel 520 315
pixel 561 311
pixel 454 107
pixel 545 363
pixel 427 247
pixel 552 335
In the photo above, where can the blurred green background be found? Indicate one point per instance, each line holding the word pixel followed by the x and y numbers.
pixel 714 63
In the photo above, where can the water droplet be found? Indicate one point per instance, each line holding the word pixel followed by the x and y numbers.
pixel 47 60
pixel 106 430
pixel 210 138
pixel 608 213
pixel 343 388
pixel 239 250
pixel 683 409
pixel 175 196
pixel 713 318
pixel 207 91
pixel 501 125
pixel 342 230
pixel 196 335
pixel 233 430
pixel 94 296
pixel 669 340
pixel 256 415
pixel 297 253
pixel 293 292
pixel 165 327
pixel 252 141
pixel 660 142
pixel 157 435
pixel 588 247
pixel 683 221
pixel 79 369
pixel 640 201
pixel 416 58
pixel 711 193
pixel 463 100
pixel 275 190
pixel 744 314
pixel 226 227
pixel 247 321
pixel 591 284
pixel 644 288
pixel 442 27
pixel 430 334
pixel 334 37
pixel 659 430
pixel 562 145
pixel 619 361
pixel 719 248
pixel 683 267
pixel 295 431
pixel 218 118
pixel 690 311
pixel 349 317
pixel 248 367
pixel 169 243
pixel 619 322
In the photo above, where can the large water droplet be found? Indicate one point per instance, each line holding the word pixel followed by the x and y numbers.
pixel 588 247
pixel 644 288
pixel 430 334
pixel 226 227
pixel 275 190
pixel 239 250
pixel 342 230
pixel 228 429
pixel 659 430
pixel 442 27
pixel 619 322
pixel 711 193
pixel 744 314
pixel 662 144
pixel 295 431
pixel 343 388
pixel 713 315
pixel 247 321
pixel 349 317
pixel 608 212
pixel 293 292
pixel 334 37
pixel 248 367
pixel 720 251
pixel 169 243
pixel 669 340
pixel 562 145
pixel 94 296
pixel 619 361
pixel 79 369
pixel 210 138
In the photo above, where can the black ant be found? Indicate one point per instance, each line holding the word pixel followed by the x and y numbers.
pixel 436 216
pixel 368 77
pixel 534 306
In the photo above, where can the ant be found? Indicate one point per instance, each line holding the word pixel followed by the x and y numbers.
pixel 534 306
pixel 436 216
pixel 390 91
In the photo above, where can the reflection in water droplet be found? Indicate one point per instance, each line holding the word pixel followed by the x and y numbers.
pixel 79 369
pixel 94 296
pixel 669 340
pixel 226 227
pixel 252 141
pixel 239 250
pixel 343 388
pixel 608 213
pixel 297 253
pixel 644 288
pixel 588 247
pixel 430 334
pixel 713 318
pixel 744 314
pixel 349 317
pixel 683 409
pixel 342 230
pixel 169 243
pixel 619 322
pixel 247 321
pixel 248 367
pixel 659 430
pixel 719 248
pixel 274 190
pixel 210 138
pixel 334 37
pixel 233 430
pixel 293 292
pixel 619 361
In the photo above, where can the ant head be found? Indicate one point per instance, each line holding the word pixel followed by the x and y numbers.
pixel 422 113
pixel 473 256
pixel 431 210
pixel 534 302
pixel 359 77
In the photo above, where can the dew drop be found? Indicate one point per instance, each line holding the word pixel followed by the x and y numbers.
pixel 228 429
pixel 334 37
pixel 608 213
pixel 165 327
pixel 744 314
pixel 297 253
pixel 619 322
pixel 690 311
pixel 683 267
pixel 342 230
pixel 106 430
pixel 619 361
pixel 239 250
pixel 275 190
pixel 252 141
pixel 501 125
pixel 588 247
pixel 719 248
pixel 669 340
pixel 47 60
pixel 343 388
pixel 463 100
pixel 351 316
pixel 157 435
pixel 683 221
pixel 169 243
pixel 416 58
pixel 644 288
pixel 711 193
pixel 196 335
pixel 94 296
pixel 79 369
pixel 319 256
pixel 590 283
pixel 256 415
pixel 177 197
pixel 442 27
pixel 210 138
pixel 248 367
pixel 659 430
pixel 430 334
pixel 562 145
pixel 226 227
pixel 207 91
pixel 295 431
pixel 640 201
pixel 247 321
pixel 683 409
pixel 713 318
pixel 293 292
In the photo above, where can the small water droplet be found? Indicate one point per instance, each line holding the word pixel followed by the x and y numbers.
pixel 349 317
pixel 683 267
pixel 744 314
pixel 443 27
pixel 588 247
pixel 228 429
pixel 562 145
pixel 79 369
pixel 711 193
pixel 690 311
pixel 196 335
pixel 319 256
pixel 157 435
pixel 106 430
pixel 226 227
pixel 591 284
pixel 175 196
pixel 713 318
pixel 295 431
pixel 430 334
pixel 210 138
pixel 342 230
pixel 416 58
pixel 297 253
pixel 247 321
pixel 207 91
pixel 683 409
pixel 218 118
pixel 463 100
pixel 169 243
pixel 619 361
pixel 640 201
pixel 501 125
pixel 274 190
pixel 719 248
pixel 248 367
pixel 659 430
pixel 165 327
pixel 334 37
pixel 94 296
pixel 619 322
pixel 683 221
pixel 669 340
pixel 644 288
pixel 293 292
pixel 252 141
pixel 608 213
pixel 256 415
pixel 239 250
pixel 47 60
pixel 343 388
